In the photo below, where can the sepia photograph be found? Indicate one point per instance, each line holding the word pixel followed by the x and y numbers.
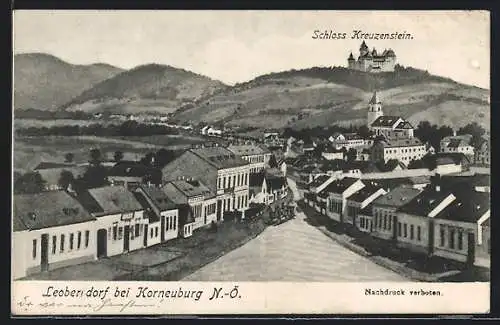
pixel 162 151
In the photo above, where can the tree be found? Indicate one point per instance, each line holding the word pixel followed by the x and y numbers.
pixel 474 129
pixel 69 157
pixel 416 164
pixel 31 182
pixel 272 162
pixel 351 154
pixel 66 179
pixel 148 159
pixel 163 157
pixel 118 156
pixel 95 156
pixel 94 176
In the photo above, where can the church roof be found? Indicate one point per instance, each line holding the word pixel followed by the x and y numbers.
pixel 375 99
pixel 351 57
pixel 363 45
pixel 386 121
pixel 390 53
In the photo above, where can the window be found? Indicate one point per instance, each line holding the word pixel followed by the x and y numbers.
pixel 79 240
pixel 115 230
pixel 460 240
pixel 239 180
pixel 71 241
pixel 34 249
pixel 451 238
pixel 441 235
pixel 224 182
pixel 389 222
pixel 120 233
pixel 61 248
pixel 405 228
pixel 87 237
pixel 151 233
pixel 399 229
pixel 109 233
pixel 137 230
pixel 54 244
pixel 418 233
pixel 411 232
pixel 175 222
pixel 156 231
pixel 385 222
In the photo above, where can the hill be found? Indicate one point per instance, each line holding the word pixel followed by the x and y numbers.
pixel 146 89
pixel 44 82
pixel 324 96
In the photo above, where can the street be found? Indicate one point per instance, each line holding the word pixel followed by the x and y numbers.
pixel 293 251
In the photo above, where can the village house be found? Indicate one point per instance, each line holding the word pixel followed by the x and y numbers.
pixel 482 153
pixel 365 219
pixel 331 153
pixel 385 221
pixel 257 155
pixel 360 200
pixel 50 230
pixel 120 219
pixel 447 163
pixel 347 140
pixel 186 220
pixel 224 173
pixel 131 174
pixel 162 213
pixel 403 150
pixel 457 143
pixel 266 188
pixel 337 193
pixel 415 220
pixel 462 229
pixel 198 196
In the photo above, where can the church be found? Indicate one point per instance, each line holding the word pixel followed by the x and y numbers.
pixel 388 126
pixel 372 61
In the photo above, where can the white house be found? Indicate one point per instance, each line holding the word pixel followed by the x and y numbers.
pixel 360 200
pixel 258 156
pixel 120 219
pixel 457 143
pixel 332 153
pixel 267 189
pixel 162 213
pixel 337 193
pixel 50 230
pixel 404 150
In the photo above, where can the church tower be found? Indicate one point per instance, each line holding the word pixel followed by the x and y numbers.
pixel 374 109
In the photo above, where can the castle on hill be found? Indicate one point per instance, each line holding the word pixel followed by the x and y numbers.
pixel 372 61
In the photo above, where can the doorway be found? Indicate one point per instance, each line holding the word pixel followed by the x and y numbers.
pixel 162 227
pixel 471 248
pixel 126 238
pixel 219 209
pixel 102 243
pixel 45 252
pixel 146 233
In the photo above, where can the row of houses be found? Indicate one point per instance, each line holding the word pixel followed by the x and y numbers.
pixel 449 217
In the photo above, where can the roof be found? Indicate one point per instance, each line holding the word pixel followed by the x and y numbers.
pixel 465 137
pixel 340 185
pixel 404 125
pixel 473 180
pixel 332 150
pixel 113 199
pixel 367 210
pixel 50 165
pixel 397 197
pixel 158 196
pixel 248 149
pixel 455 143
pixel 368 190
pixel 375 99
pixel 275 183
pixel 219 157
pixel 466 208
pixel 386 121
pixel 132 169
pixel 47 209
pixel 445 158
pixel 425 201
pixel 406 142
pixel 148 210
pixel 318 181
pixel 191 188
pixel 52 175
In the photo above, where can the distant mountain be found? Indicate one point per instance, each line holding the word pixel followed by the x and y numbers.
pixel 44 82
pixel 146 89
pixel 336 95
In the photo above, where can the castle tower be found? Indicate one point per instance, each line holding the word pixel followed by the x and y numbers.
pixel 351 62
pixel 374 109
pixel 363 49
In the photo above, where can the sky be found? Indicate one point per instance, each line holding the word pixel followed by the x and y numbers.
pixel 236 46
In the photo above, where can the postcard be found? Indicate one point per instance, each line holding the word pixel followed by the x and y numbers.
pixel 172 162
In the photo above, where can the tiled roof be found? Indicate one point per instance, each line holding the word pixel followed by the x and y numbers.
pixel 320 180
pixel 248 149
pixel 159 198
pixel 397 197
pixel 132 169
pixel 394 143
pixel 368 190
pixel 275 183
pixel 114 199
pixel 191 188
pixel 47 209
pixel 467 208
pixel 219 157
pixel 404 125
pixel 340 185
pixel 455 143
pixel 368 210
pixel 386 121
pixel 148 210
pixel 426 201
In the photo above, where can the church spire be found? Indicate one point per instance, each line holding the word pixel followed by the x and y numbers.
pixel 375 99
